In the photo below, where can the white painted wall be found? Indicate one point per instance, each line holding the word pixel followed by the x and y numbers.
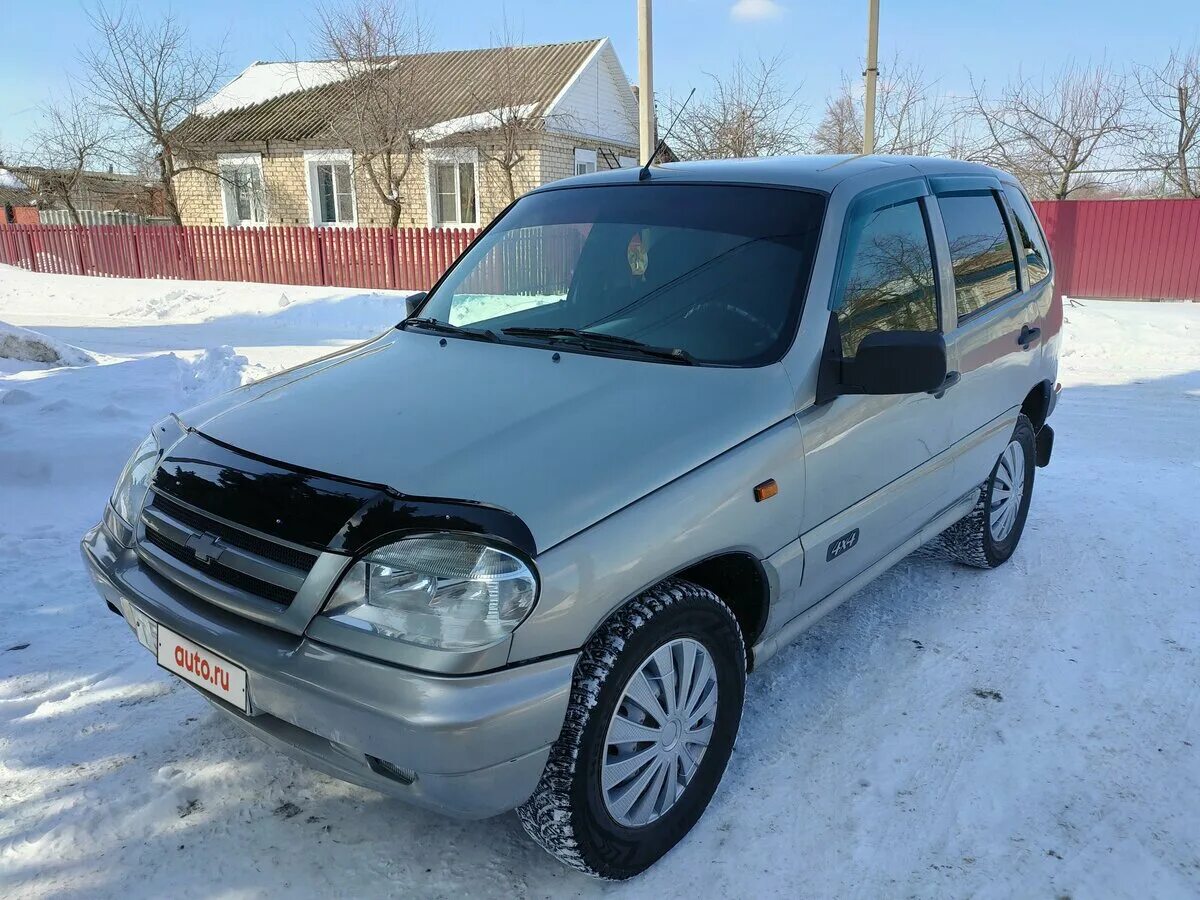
pixel 599 102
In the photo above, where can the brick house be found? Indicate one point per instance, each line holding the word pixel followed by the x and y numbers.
pixel 268 154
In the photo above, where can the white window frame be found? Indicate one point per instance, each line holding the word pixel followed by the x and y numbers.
pixel 450 156
pixel 238 161
pixel 627 162
pixel 313 158
pixel 585 158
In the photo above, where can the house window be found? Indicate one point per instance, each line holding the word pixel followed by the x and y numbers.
pixel 585 161
pixel 452 189
pixel 242 189
pixel 330 188
pixel 626 162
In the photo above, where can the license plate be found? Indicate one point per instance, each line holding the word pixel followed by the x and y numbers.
pixel 203 668
pixel 144 627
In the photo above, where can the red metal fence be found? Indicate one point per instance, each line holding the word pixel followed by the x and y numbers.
pixel 403 258
pixel 1124 249
pixel 1136 249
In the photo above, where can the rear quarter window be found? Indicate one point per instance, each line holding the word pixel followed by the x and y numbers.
pixel 1029 235
pixel 985 269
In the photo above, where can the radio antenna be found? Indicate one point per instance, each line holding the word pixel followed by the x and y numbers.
pixel 645 173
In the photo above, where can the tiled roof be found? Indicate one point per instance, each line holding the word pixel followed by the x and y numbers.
pixel 456 84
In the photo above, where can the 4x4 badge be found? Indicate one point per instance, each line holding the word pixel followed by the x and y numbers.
pixel 841 545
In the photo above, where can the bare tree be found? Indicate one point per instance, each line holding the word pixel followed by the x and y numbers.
pixel 382 107
pixel 510 123
pixel 1051 131
pixel 910 116
pixel 148 75
pixel 749 112
pixel 841 127
pixel 1172 96
pixel 74 135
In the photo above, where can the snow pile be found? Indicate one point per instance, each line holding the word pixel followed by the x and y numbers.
pixel 27 297
pixel 75 426
pixel 362 315
pixel 215 371
pixel 176 303
pixel 23 345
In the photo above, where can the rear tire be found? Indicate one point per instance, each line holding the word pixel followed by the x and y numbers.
pixel 988 535
pixel 581 811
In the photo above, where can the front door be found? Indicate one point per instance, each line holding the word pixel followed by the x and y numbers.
pixel 876 466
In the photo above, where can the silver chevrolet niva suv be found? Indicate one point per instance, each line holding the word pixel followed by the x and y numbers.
pixel 522 550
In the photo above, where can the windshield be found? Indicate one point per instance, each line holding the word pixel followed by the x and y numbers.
pixel 699 273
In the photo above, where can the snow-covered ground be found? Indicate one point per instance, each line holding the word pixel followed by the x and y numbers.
pixel 1033 731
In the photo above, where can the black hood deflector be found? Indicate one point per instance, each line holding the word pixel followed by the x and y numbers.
pixel 317 510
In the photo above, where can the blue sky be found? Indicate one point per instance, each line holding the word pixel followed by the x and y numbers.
pixel 820 39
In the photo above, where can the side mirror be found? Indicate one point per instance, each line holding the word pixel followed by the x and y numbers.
pixel 895 362
pixel 413 303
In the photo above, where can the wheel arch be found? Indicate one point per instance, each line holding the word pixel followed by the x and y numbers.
pixel 1036 405
pixel 740 580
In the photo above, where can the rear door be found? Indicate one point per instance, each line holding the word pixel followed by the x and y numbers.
pixel 876 466
pixel 996 320
pixel 1037 276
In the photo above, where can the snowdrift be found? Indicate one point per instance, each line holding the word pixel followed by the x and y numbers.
pixel 23 345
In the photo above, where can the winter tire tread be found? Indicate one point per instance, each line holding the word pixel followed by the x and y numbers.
pixel 548 816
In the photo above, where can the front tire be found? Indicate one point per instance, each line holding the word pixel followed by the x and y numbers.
pixel 655 707
pixel 988 535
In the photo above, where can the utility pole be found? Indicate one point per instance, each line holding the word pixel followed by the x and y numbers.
pixel 645 82
pixel 871 74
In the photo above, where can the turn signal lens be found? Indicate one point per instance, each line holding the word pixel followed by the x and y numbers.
pixel 766 490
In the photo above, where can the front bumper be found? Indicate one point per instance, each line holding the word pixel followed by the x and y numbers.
pixel 469 746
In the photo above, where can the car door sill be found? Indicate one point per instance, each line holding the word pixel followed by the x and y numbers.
pixel 796 626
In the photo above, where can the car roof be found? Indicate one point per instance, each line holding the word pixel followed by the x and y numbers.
pixel 820 173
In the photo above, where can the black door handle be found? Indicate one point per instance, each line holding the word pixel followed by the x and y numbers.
pixel 950 381
pixel 1028 336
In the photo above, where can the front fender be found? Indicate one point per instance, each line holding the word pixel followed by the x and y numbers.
pixel 709 511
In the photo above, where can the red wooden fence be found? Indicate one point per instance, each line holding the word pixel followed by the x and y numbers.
pixel 1136 249
pixel 403 258
pixel 1124 249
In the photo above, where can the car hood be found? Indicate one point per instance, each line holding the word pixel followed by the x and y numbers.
pixel 561 440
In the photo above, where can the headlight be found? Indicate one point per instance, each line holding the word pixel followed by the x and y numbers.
pixel 130 492
pixel 450 592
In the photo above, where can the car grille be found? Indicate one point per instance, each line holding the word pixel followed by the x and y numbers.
pixel 247 568
pixel 200 523
pixel 215 570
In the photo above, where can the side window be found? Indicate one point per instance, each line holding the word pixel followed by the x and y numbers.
pixel 1033 244
pixel 985 269
pixel 891 283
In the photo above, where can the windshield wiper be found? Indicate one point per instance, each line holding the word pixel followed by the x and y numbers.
pixel 479 334
pixel 596 340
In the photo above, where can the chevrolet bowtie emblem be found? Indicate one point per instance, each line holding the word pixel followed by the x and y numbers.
pixel 207 547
